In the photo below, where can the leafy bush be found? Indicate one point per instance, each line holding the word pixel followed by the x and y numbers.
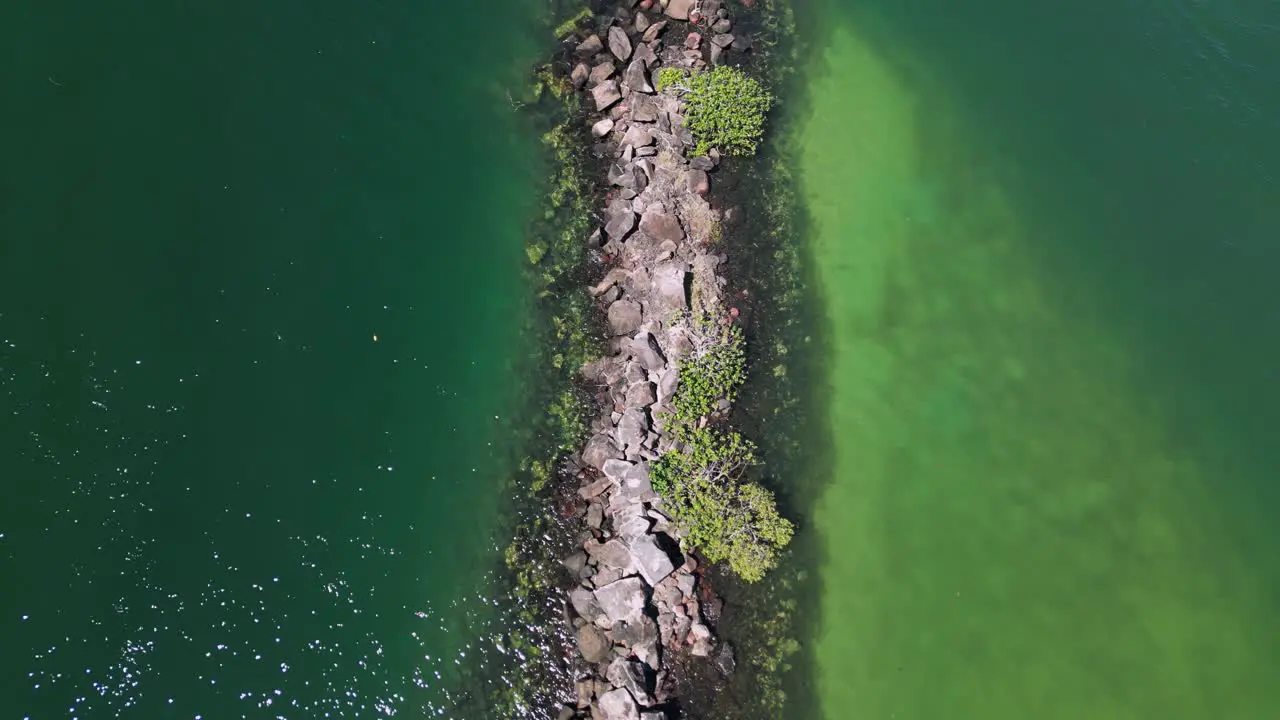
pixel 715 369
pixel 670 77
pixel 724 517
pixel 726 109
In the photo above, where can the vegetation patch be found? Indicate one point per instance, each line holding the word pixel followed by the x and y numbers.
pixel 725 517
pixel 726 108
pixel 713 372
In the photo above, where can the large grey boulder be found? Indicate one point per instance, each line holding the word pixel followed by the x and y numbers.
pixel 679 9
pixel 616 469
pixel 615 554
pixel 640 395
pixel 606 94
pixel 617 705
pixel 632 429
pixel 622 599
pixel 646 350
pixel 636 77
pixel 621 220
pixel 578 76
pixel 584 603
pixel 589 47
pixel 624 317
pixel 635 484
pixel 593 644
pixel 600 448
pixel 643 109
pixel 669 281
pixel 639 633
pixel 600 73
pixel 602 127
pixel 632 527
pixel 637 136
pixel 651 560
pixel 661 226
pixel 619 43
pixel 652 33
pixel 631 676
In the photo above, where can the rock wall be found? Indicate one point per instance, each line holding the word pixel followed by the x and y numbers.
pixel 641 609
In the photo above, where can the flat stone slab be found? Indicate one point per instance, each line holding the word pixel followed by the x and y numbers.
pixel 617 705
pixel 606 94
pixel 619 43
pixel 651 560
pixel 661 226
pixel 622 599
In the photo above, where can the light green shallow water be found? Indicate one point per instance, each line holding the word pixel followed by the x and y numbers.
pixel 1022 522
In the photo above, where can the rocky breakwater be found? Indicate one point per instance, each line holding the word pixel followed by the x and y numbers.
pixel 642 610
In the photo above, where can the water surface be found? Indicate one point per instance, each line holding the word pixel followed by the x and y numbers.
pixel 1045 241
pixel 260 294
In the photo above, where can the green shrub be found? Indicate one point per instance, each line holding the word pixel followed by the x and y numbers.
pixel 715 369
pixel 724 517
pixel 670 77
pixel 726 110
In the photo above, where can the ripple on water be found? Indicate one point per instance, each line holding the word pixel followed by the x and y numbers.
pixel 150 587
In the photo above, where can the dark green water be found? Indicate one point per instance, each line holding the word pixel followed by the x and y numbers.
pixel 1048 240
pixel 222 497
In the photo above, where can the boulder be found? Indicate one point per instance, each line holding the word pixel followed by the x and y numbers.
pixel 631 676
pixel 635 483
pixel 638 136
pixel 574 563
pixel 606 576
pixel 650 559
pixel 595 515
pixel 702 162
pixel 593 644
pixel 615 554
pixel 624 319
pixel 632 527
pixel 617 705
pixel 721 26
pixel 615 470
pixel 602 127
pixel 601 72
pixel 669 280
pixel 642 22
pixel 619 43
pixel 632 429
pixel 693 41
pixel 599 448
pixel 646 54
pixel 697 181
pixel 644 109
pixel 637 77
pixel 595 489
pixel 584 603
pixel 661 226
pixel 578 76
pixel 640 395
pixel 622 599
pixel 723 41
pixel 636 630
pixel 606 94
pixel 589 47
pixel 676 10
pixel 646 350
pixel 621 220
pixel 652 33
